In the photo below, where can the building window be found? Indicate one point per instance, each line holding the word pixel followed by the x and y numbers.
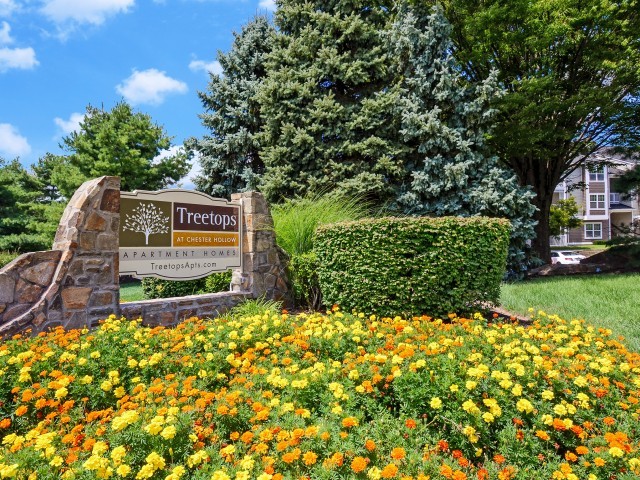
pixel 597 175
pixel 596 201
pixel 592 231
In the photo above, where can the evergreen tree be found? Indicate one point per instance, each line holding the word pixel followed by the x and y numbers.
pixel 325 114
pixel 21 215
pixel 229 155
pixel 444 121
pixel 119 142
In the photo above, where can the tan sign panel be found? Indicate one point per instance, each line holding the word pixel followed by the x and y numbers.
pixel 178 234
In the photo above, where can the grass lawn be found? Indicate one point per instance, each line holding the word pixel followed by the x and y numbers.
pixel 131 292
pixel 609 301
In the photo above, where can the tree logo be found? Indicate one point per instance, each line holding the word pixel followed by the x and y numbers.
pixel 148 219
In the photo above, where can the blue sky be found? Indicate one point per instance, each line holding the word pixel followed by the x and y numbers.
pixel 58 56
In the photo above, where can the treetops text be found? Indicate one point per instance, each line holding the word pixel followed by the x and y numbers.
pixel 178 234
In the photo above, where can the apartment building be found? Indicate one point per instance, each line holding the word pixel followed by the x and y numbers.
pixel 603 209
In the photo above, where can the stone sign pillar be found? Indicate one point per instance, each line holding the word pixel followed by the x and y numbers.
pixel 76 284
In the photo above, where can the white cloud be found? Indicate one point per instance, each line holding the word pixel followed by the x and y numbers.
pixel 201 65
pixel 22 58
pixel 68 126
pixel 84 11
pixel 5 34
pixel 12 144
pixel 150 86
pixel 6 7
pixel 267 4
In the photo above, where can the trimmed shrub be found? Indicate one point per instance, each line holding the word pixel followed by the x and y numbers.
pixel 412 265
pixel 158 288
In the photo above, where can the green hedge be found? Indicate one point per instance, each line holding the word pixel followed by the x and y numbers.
pixel 158 288
pixel 412 265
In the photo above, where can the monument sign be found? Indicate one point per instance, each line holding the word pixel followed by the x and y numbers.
pixel 178 234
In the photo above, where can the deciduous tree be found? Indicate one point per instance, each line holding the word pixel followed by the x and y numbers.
pixel 570 71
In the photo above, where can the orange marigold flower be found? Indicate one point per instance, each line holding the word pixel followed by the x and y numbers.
pixel 456 453
pixel 499 459
pixel 358 464
pixel 370 445
pixel 337 459
pixel 446 471
pixel 582 450
pixel 398 453
pixel 599 462
pixel 443 445
pixel 21 410
pixel 609 420
pixel 309 458
pixel 571 457
pixel 459 475
pixel 349 422
pixel 390 471
pixel 410 423
pixel 506 473
pixel 483 474
pixel 325 436
pixel 542 435
pixel 5 423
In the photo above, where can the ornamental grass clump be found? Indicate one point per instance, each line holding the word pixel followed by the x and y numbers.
pixel 271 396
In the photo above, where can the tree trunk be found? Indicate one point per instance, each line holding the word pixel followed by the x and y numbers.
pixel 540 244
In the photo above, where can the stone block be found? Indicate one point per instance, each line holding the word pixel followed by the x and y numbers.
pixel 110 201
pixel 7 288
pixel 87 241
pixel 15 311
pixel 95 222
pixel 101 299
pixel 107 242
pixel 75 298
pixel 26 292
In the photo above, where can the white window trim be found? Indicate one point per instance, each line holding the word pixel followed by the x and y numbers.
pixel 600 203
pixel 593 230
pixel 597 176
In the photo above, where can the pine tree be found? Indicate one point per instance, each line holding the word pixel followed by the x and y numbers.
pixel 324 111
pixel 444 121
pixel 229 155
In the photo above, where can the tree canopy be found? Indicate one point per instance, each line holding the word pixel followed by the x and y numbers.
pixel 230 154
pixel 119 142
pixel 365 99
pixel 570 72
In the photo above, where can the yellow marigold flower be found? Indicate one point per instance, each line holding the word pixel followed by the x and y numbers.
pixel 168 432
pixel 616 452
pixel 560 410
pixel 146 471
pixel 488 417
pixel 155 460
pixel 57 461
pixel 517 390
pixel 470 385
pixel 8 471
pixel 454 388
pixel 61 393
pixel 99 448
pixel 123 470
pixel 220 475
pixel 106 385
pixel 436 403
pixel 86 379
pixel 524 405
pixel 547 395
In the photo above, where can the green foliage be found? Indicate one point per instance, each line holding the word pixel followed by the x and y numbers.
pixel 229 155
pixel 159 288
pixel 253 307
pixel 119 142
pixel 570 75
pixel 6 257
pixel 431 266
pixel 444 121
pixel 325 114
pixel 27 222
pixel 295 223
pixel 303 275
pixel 563 215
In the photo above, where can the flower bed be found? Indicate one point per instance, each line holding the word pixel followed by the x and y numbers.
pixel 321 396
